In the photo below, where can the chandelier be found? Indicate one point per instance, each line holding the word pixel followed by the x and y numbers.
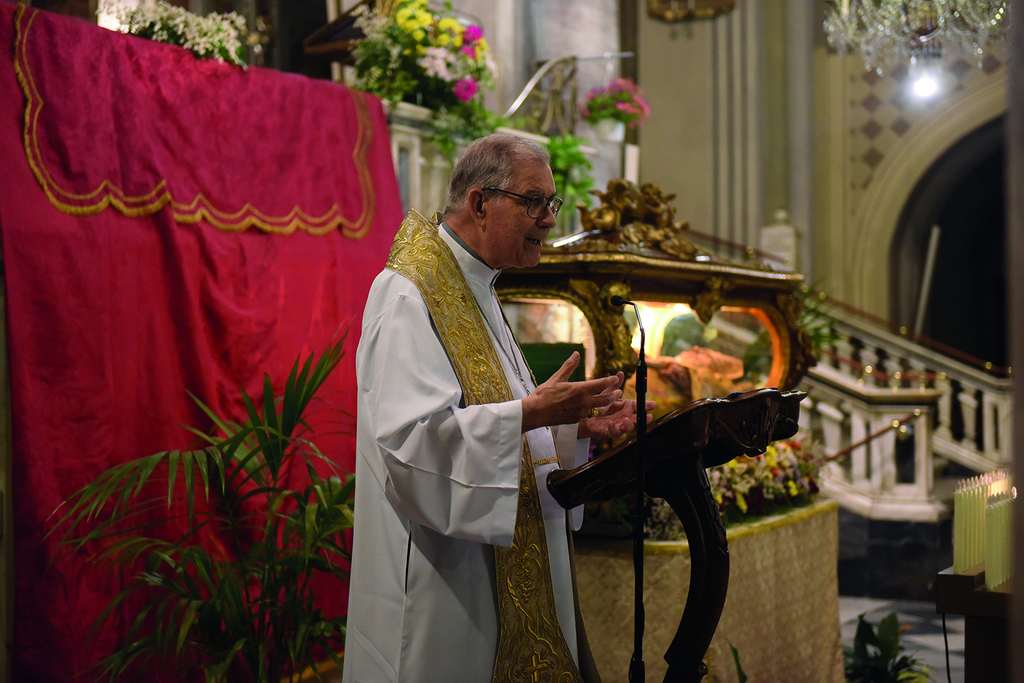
pixel 888 33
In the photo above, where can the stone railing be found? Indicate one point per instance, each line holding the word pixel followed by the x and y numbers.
pixel 893 409
pixel 881 442
pixel 973 414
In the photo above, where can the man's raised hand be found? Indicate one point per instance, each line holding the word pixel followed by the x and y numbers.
pixel 559 401
pixel 614 421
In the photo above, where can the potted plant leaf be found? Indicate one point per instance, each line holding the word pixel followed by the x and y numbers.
pixel 878 657
pixel 570 168
pixel 240 607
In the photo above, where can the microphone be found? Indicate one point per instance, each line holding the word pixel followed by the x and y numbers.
pixel 617 300
pixel 636 663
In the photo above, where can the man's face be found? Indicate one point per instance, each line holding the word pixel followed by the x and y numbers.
pixel 511 238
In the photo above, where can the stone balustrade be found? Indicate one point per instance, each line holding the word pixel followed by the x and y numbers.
pixel 882 437
pixel 972 417
pixel 871 378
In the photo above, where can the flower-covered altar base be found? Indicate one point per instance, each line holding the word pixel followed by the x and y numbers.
pixel 781 614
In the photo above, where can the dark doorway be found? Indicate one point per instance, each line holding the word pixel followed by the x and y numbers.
pixel 964 193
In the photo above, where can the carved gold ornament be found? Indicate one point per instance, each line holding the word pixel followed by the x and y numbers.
pixel 710 300
pixel 675 11
pixel 638 217
pixel 792 305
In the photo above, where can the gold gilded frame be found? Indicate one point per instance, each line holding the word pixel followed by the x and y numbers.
pixel 676 11
pixel 641 252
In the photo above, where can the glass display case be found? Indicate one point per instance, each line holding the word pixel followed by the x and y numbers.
pixel 712 327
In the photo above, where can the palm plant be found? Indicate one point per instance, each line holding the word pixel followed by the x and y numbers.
pixel 244 610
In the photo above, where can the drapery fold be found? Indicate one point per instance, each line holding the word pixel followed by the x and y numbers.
pixel 166 224
pixel 128 124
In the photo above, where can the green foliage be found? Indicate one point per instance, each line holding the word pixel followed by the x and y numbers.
pixel 820 329
pixel 461 123
pixel 876 655
pixel 244 611
pixel 571 170
pixel 685 331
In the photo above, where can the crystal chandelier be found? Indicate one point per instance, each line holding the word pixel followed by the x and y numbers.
pixel 888 33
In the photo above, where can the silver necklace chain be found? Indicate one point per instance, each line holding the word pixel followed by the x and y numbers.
pixel 510 352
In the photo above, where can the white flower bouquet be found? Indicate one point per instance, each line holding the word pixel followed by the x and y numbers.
pixel 214 36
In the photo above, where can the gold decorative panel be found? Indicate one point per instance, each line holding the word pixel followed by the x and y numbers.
pixel 675 11
pixel 712 327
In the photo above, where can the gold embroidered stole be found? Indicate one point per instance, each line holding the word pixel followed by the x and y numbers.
pixel 531 646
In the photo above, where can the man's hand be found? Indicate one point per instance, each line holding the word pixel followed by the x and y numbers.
pixel 559 401
pixel 617 419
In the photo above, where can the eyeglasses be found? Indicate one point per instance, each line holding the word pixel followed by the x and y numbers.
pixel 534 203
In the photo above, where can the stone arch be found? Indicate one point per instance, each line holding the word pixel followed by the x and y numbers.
pixel 878 212
pixel 973 165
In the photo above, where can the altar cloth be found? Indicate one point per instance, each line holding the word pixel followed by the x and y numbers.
pixel 113 120
pixel 781 612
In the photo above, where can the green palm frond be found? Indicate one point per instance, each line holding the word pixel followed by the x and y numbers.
pixel 249 615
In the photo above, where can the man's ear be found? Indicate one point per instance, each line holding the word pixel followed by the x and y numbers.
pixel 475 199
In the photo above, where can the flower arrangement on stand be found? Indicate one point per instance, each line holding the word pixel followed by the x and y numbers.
pixel 613 107
pixel 783 477
pixel 431 59
pixel 214 36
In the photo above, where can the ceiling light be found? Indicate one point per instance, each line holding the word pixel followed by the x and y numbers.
pixel 888 33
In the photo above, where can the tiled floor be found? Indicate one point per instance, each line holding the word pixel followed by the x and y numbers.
pixel 921 632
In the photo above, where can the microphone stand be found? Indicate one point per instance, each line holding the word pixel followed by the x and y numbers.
pixel 636 663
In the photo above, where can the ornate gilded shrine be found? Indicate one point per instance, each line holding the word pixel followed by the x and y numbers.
pixel 712 327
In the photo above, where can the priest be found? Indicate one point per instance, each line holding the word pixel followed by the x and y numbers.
pixel 461 561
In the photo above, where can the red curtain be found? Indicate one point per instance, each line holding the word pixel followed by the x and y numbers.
pixel 167 224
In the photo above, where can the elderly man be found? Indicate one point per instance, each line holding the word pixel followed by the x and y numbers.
pixel 461 565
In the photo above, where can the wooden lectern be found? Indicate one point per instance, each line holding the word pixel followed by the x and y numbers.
pixel 677 449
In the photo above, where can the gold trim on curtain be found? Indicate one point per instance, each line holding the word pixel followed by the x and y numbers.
pixel 198 208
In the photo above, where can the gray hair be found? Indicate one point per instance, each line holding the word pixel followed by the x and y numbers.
pixel 489 162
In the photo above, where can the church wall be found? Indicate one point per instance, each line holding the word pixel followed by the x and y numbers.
pixel 752 113
pixel 677 144
pixel 873 143
pixel 525 34
pixel 504 25
pixel 705 138
pixel 775 169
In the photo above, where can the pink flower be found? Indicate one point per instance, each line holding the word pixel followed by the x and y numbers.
pixel 642 103
pixel 472 34
pixel 465 89
pixel 469 51
pixel 622 85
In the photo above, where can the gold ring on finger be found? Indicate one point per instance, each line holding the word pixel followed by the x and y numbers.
pixel 594 412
